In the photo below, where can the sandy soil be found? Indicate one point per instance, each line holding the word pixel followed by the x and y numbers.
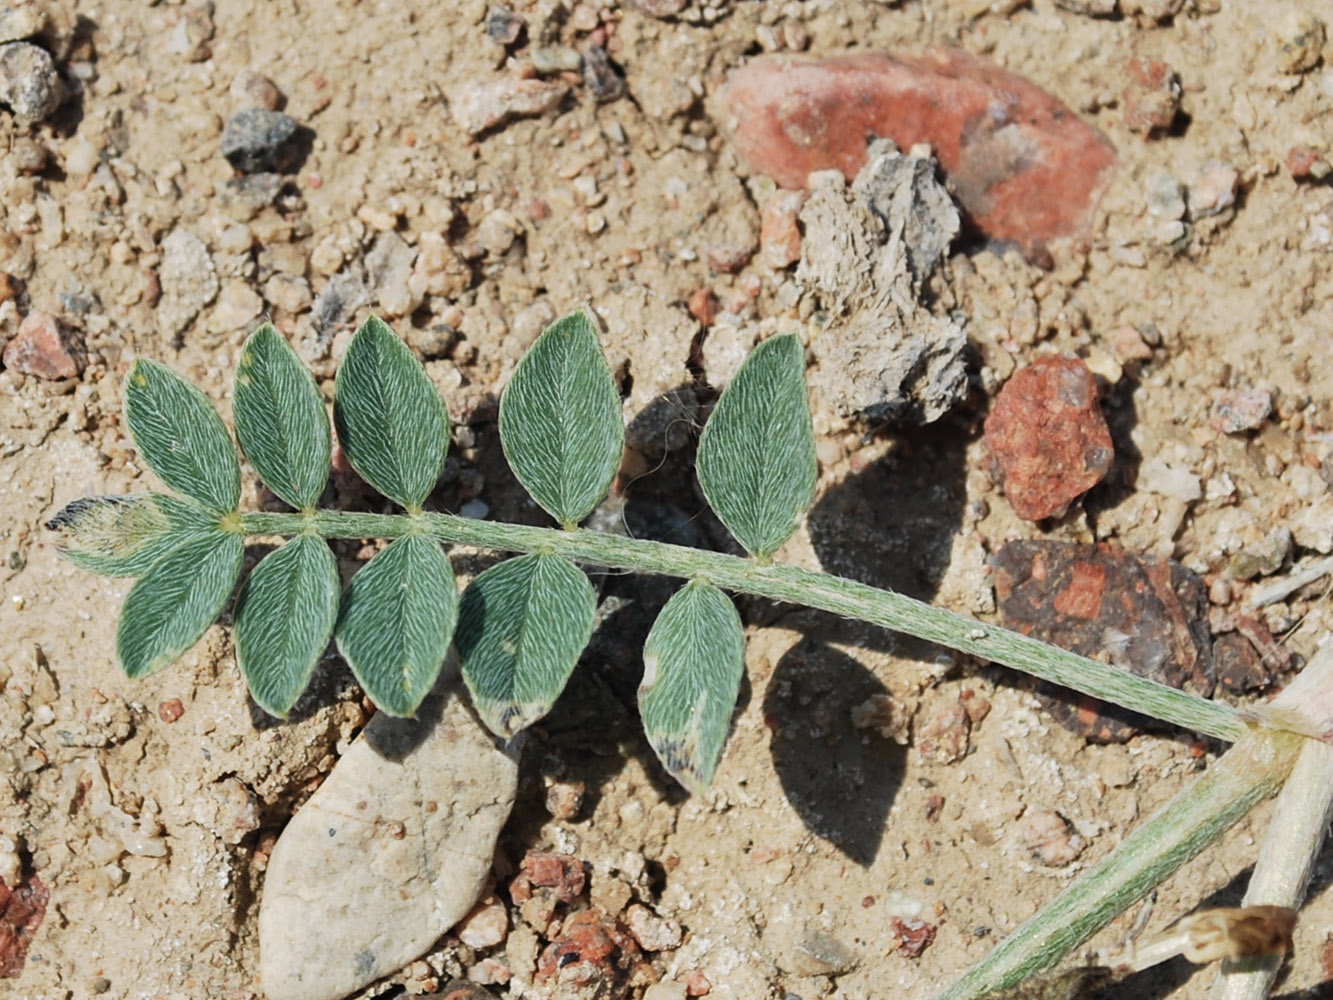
pixel 151 832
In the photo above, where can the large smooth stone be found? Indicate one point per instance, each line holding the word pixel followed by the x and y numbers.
pixel 391 852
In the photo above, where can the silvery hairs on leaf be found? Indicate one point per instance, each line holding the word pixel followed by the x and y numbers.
pixel 522 626
pixel 756 460
pixel 167 611
pixel 284 617
pixel 693 661
pixel 396 620
pixel 391 422
pixel 280 419
pixel 181 436
pixel 560 421
pixel 127 535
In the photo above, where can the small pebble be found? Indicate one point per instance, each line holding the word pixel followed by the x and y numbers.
pixel 1165 195
pixel 486 926
pixel 290 294
pixel 497 232
pixel 1300 37
pixel 81 158
pixel 779 232
pixel 28 155
pixel 549 59
pixel 653 933
pixel 666 990
pixel 912 937
pixel 661 8
pixel 1152 97
pixel 1307 162
pixel 260 141
pixel 475 510
pixel 1089 8
pixel 254 90
pixel 238 305
pixel 1214 189
pixel 29 83
pixel 1051 839
pixel 1236 411
pixel 944 737
pixel 170 710
pixel 704 306
pixel 564 799
pixel 819 953
pixel 503 26
pixel 603 80
pixel 42 348
pixel 1129 344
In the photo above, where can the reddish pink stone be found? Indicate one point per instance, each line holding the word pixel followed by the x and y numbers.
pixel 1023 166
pixel 1048 436
pixel 41 348
pixel 779 233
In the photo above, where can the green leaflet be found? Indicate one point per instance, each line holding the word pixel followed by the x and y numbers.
pixel 284 617
pixel 280 419
pixel 693 660
pixel 127 535
pixel 522 625
pixel 396 620
pixel 168 610
pixel 756 460
pixel 560 422
pixel 391 422
pixel 181 436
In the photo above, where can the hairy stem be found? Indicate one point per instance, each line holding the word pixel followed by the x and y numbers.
pixel 1296 832
pixel 1242 777
pixel 793 585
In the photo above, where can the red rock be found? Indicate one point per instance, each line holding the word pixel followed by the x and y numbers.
pixel 561 872
pixel 590 947
pixel 1075 596
pixel 42 348
pixel 21 911
pixel 1152 97
pixel 170 710
pixel 912 937
pixel 1305 161
pixel 704 306
pixel 1022 164
pixel 779 233
pixel 1048 436
pixel 697 984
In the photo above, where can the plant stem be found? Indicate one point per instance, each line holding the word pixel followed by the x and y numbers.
pixel 1287 857
pixel 1242 777
pixel 794 585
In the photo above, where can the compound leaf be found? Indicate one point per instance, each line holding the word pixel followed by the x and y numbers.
pixel 522 625
pixel 284 617
pixel 127 535
pixel 280 419
pixel 391 422
pixel 692 664
pixel 181 436
pixel 396 620
pixel 560 422
pixel 168 610
pixel 756 459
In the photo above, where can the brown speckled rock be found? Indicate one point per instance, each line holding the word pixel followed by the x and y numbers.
pixel 1048 436
pixel 1021 163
